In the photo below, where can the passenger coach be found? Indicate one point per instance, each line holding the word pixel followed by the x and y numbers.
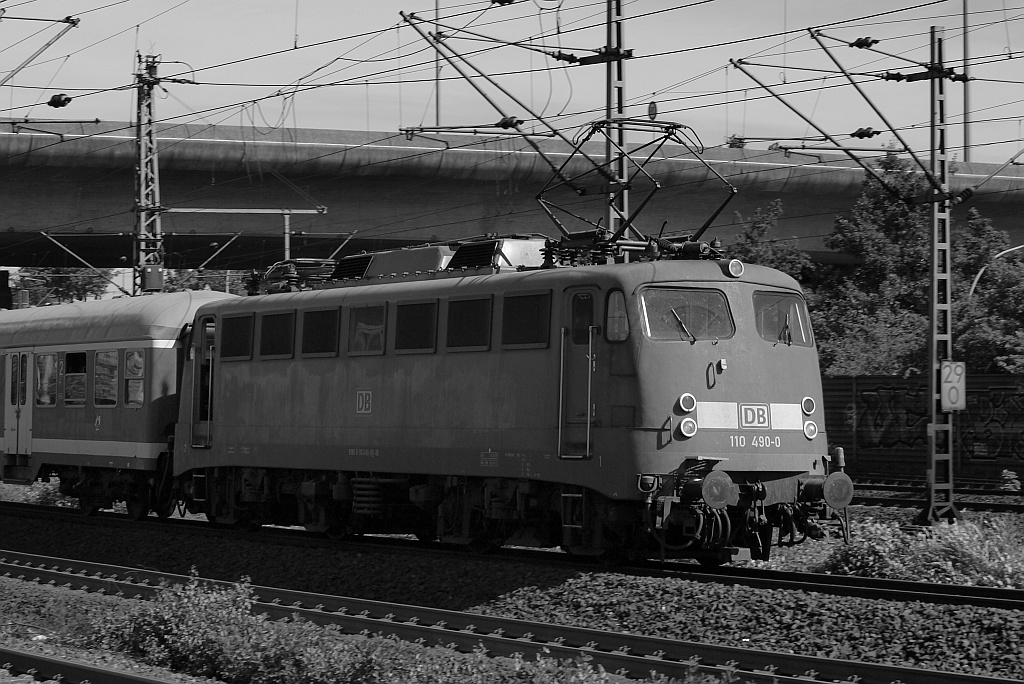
pixel 90 394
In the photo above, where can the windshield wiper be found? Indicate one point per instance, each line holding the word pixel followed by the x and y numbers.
pixel 786 335
pixel 682 325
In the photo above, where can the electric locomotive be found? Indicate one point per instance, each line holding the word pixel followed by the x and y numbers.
pixel 474 394
pixel 478 395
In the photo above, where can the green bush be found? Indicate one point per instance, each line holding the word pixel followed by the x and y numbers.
pixel 208 631
pixel 984 553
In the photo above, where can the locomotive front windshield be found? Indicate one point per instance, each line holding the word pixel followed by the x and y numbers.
pixel 686 314
pixel 781 317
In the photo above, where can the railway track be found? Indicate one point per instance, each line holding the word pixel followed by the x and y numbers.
pixel 633 655
pixel 44 668
pixel 838 585
pixel 917 502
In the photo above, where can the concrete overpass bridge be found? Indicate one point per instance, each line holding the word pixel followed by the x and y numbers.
pixel 76 183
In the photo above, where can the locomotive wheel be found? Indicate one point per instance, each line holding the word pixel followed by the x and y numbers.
pixel 710 560
pixel 164 510
pixel 88 508
pixel 137 504
pixel 222 515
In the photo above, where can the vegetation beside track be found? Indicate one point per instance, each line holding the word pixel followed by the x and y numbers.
pixel 210 633
pixel 985 552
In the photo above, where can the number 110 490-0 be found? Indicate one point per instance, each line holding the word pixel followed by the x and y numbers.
pixel 755 441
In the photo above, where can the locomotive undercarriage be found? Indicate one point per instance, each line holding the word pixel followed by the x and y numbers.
pixel 481 513
pixel 704 514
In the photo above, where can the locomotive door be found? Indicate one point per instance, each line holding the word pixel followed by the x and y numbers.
pixel 18 407
pixel 203 351
pixel 580 336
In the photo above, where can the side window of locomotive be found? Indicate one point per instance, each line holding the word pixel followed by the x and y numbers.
pixel 686 314
pixel 366 328
pixel 526 321
pixel 46 380
pixel 134 378
pixel 277 335
pixel 236 338
pixel 416 327
pixel 320 332
pixel 582 317
pixel 469 325
pixel 74 378
pixel 616 319
pixel 105 378
pixel 781 317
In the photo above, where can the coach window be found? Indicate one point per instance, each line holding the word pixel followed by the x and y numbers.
pixel 526 321
pixel 781 317
pixel 277 335
pixel 469 325
pixel 320 332
pixel 46 379
pixel 105 378
pixel 134 376
pixel 74 378
pixel 416 327
pixel 236 338
pixel 366 329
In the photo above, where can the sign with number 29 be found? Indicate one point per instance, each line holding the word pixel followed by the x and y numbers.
pixel 953 386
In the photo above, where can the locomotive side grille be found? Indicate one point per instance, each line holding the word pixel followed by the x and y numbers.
pixel 474 255
pixel 352 267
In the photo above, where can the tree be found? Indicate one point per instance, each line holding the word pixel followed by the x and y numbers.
pixel 873 317
pixel 60 285
pixel 987 326
pixel 756 246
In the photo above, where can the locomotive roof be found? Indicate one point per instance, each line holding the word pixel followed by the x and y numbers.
pixel 150 317
pixel 625 276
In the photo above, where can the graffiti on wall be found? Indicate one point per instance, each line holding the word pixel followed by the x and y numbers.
pixel 884 418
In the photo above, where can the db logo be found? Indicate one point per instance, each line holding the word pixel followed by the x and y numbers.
pixel 755 416
pixel 364 401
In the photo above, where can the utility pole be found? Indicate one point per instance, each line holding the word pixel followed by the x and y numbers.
pixel 148 246
pixel 940 430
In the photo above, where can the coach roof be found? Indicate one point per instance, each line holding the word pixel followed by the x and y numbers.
pixel 150 317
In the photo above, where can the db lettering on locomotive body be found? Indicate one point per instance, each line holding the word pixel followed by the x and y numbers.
pixel 755 416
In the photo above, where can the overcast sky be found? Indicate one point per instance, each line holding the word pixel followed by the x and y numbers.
pixel 360 66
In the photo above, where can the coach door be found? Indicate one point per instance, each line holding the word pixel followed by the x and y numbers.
pixel 580 336
pixel 204 349
pixel 17 408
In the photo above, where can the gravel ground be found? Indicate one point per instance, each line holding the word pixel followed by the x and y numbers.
pixel 950 638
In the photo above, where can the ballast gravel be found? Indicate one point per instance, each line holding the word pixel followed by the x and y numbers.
pixel 951 638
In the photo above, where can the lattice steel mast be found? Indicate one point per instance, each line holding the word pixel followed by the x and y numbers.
pixel 940 428
pixel 148 246
pixel 615 109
